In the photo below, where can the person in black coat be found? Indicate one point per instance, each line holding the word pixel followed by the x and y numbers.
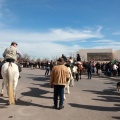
pixel 89 70
pixel 78 57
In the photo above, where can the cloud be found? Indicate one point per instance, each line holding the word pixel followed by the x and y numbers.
pixel 99 28
pixel 106 44
pixel 44 49
pixel 3 9
pixel 46 44
pixel 116 33
pixel 50 36
pixel 103 41
pixel 109 46
pixel 42 43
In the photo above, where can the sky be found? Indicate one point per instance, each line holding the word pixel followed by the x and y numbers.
pixel 50 28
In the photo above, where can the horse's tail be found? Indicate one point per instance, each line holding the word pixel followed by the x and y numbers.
pixel 10 84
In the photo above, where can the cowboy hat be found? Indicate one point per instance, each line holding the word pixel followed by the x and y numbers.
pixel 60 61
pixel 79 62
pixel 12 43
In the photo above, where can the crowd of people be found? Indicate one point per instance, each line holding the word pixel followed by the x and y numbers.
pixel 63 70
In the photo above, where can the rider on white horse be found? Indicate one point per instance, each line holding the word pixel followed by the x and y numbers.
pixel 10 55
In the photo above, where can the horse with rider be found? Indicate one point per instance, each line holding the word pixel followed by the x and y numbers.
pixel 10 71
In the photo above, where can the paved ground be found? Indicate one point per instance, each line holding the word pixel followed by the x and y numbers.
pixel 95 99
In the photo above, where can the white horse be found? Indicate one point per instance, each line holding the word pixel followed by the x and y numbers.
pixel 10 74
pixel 70 82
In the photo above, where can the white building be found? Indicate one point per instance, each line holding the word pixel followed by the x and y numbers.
pixel 116 55
pixel 99 54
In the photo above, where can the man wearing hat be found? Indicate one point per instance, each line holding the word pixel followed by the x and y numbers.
pixel 10 53
pixel 58 80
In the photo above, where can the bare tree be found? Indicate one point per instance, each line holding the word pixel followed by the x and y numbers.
pixel 26 57
pixel 38 60
pixel 45 59
pixel 72 54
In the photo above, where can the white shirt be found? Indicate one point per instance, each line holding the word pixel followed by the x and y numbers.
pixel 115 67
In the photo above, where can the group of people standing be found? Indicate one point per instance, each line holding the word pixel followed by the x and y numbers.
pixel 59 73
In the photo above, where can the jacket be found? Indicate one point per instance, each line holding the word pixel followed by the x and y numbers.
pixel 59 75
pixel 89 67
pixel 10 52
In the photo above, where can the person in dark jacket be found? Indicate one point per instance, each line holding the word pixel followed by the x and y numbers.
pixel 47 68
pixel 64 57
pixel 89 70
pixel 78 58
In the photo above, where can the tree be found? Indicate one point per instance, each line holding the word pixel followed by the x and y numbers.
pixel 72 54
pixel 26 57
pixel 38 60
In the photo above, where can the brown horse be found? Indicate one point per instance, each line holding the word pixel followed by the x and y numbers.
pixel 79 70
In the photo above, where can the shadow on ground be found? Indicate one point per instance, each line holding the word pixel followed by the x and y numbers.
pixel 3 102
pixel 104 92
pixel 107 95
pixel 104 76
pixel 39 78
pixel 96 108
pixel 46 85
pixel 36 92
pixel 29 103
pixel 117 118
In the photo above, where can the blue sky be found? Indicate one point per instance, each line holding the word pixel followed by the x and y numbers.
pixel 50 28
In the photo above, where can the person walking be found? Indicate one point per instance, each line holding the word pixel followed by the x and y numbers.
pixel 58 80
pixel 47 68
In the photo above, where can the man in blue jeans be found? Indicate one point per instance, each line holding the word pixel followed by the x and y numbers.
pixel 58 79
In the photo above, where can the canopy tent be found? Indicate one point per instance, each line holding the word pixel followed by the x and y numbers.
pixel 114 61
